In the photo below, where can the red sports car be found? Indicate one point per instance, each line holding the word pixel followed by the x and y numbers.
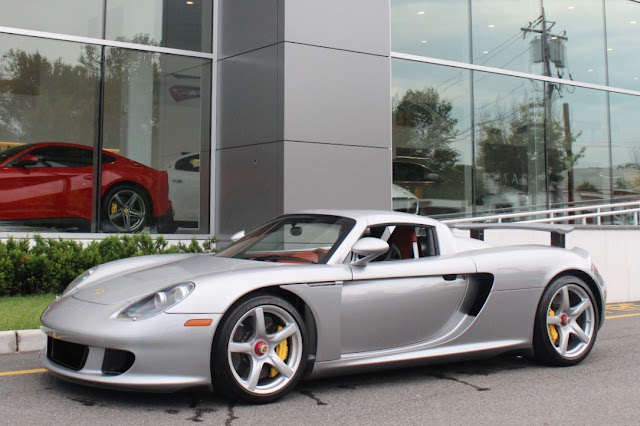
pixel 50 184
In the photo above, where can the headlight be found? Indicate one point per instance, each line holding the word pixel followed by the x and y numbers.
pixel 157 302
pixel 79 280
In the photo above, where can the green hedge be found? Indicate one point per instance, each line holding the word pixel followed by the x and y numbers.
pixel 48 265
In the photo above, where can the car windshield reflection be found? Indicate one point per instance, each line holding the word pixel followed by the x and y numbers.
pixel 293 239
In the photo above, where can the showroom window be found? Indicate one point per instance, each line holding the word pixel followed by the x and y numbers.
pixel 538 115
pixel 431 129
pixel 143 99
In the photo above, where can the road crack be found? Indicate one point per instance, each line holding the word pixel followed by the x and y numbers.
pixel 463 382
pixel 310 394
pixel 230 415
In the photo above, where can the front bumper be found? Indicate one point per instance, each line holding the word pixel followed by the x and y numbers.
pixel 166 355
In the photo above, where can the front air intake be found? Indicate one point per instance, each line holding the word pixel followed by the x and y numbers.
pixel 67 354
pixel 116 362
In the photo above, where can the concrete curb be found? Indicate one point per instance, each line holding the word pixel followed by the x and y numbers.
pixel 22 341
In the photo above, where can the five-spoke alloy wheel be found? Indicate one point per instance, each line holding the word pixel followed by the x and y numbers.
pixel 566 322
pixel 261 351
pixel 126 208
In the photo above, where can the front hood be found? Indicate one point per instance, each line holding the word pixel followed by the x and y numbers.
pixel 122 287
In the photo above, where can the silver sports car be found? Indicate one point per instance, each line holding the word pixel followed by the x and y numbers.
pixel 319 293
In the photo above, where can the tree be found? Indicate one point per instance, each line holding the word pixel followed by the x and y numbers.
pixel 511 147
pixel 45 100
pixel 428 127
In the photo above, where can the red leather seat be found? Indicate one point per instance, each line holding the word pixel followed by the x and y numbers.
pixel 405 239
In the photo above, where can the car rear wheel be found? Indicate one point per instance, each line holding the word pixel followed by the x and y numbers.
pixel 261 351
pixel 125 209
pixel 566 322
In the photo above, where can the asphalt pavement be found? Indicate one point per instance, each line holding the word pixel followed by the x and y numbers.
pixel 505 390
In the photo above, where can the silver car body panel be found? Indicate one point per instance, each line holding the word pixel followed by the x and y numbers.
pixel 472 298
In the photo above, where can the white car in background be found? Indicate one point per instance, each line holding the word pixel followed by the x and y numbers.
pixel 184 189
pixel 404 200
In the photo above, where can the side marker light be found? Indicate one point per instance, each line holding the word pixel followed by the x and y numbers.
pixel 198 323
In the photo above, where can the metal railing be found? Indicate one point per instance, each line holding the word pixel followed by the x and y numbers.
pixel 625 213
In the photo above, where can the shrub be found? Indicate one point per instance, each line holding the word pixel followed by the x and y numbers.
pixel 47 265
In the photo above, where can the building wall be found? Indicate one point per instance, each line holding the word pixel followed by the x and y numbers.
pixel 303 108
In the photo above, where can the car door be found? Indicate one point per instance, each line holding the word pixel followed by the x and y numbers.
pixel 58 186
pixel 402 302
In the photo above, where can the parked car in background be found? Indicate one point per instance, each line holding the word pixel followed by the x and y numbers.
pixel 319 293
pixel 50 184
pixel 505 200
pixel 184 189
pixel 437 195
pixel 404 200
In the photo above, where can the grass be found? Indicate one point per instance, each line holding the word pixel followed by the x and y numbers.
pixel 23 312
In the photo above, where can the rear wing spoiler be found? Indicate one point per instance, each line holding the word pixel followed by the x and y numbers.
pixel 558 232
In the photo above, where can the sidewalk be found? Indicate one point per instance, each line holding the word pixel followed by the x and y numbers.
pixel 21 341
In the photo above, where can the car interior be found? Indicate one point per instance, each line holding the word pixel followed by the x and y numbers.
pixel 405 241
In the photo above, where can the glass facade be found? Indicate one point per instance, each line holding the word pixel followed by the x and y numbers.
pixel 529 101
pixel 147 111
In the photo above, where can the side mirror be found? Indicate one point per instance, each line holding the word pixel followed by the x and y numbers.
pixel 370 248
pixel 27 161
pixel 235 237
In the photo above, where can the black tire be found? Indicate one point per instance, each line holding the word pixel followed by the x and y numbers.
pixel 243 344
pixel 125 208
pixel 566 323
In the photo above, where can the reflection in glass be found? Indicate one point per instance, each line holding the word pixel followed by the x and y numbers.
pixel 510 149
pixel 48 92
pixel 73 17
pixel 168 23
pixel 154 115
pixel 436 29
pixel 623 49
pixel 580 174
pixel 498 37
pixel 563 39
pixel 625 141
pixel 431 136
pixel 576 40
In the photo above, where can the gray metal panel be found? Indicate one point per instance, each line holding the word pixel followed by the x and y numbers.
pixel 335 96
pixel 246 25
pixel 357 25
pixel 336 176
pixel 248 98
pixel 249 182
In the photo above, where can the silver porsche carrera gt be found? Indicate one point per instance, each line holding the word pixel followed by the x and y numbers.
pixel 319 293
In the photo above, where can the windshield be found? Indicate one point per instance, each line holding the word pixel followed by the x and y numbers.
pixel 293 239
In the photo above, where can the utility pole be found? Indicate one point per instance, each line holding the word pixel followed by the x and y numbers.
pixel 568 145
pixel 551 49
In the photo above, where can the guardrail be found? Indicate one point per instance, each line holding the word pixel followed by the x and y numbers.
pixel 626 212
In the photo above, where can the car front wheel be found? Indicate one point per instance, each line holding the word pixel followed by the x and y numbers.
pixel 566 322
pixel 261 351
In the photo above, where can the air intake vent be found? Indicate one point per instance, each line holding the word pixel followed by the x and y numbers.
pixel 67 354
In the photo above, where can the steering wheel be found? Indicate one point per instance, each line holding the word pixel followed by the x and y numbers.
pixel 393 253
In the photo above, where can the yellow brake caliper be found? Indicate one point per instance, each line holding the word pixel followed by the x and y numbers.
pixel 114 208
pixel 553 333
pixel 282 350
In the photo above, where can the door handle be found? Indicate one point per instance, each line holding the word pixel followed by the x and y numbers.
pixel 450 277
pixel 176 180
